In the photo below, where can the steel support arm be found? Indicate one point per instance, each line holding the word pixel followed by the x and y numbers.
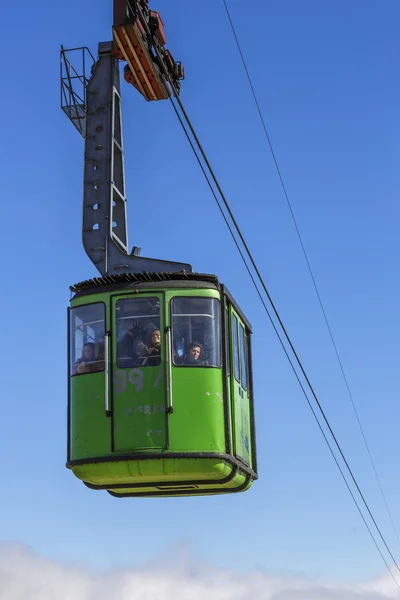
pixel 104 228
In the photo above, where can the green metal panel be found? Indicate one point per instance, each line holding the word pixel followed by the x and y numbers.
pixel 163 471
pixel 90 427
pixel 168 477
pixel 92 298
pixel 139 417
pixel 197 423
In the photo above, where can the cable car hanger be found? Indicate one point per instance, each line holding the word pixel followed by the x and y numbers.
pixel 139 39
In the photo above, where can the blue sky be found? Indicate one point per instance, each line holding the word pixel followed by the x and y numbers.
pixel 326 79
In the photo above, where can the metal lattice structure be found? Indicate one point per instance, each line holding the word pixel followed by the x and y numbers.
pixel 74 82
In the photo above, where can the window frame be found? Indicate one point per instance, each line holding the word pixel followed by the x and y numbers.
pixel 227 341
pixel 218 334
pixel 243 356
pixel 72 338
pixel 235 319
pixel 161 317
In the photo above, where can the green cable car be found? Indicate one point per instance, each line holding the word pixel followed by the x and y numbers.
pixel 160 396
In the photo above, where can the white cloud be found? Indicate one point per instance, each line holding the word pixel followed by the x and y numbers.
pixel 26 576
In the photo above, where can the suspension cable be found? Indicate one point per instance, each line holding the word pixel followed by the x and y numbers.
pixel 283 346
pixel 309 266
pixel 290 344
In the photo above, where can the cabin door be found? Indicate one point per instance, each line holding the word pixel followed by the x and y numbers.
pixel 139 417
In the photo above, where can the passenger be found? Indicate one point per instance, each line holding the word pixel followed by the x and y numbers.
pixel 153 346
pixel 83 364
pixel 140 347
pixel 194 355
pixel 131 347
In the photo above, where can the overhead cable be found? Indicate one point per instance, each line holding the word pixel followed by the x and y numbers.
pixel 290 344
pixel 284 348
pixel 309 266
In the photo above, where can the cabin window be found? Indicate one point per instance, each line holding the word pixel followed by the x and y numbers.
pixel 227 344
pixel 196 332
pixel 243 357
pixel 87 331
pixel 138 332
pixel 236 347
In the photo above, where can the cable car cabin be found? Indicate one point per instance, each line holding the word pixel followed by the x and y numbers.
pixel 160 398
